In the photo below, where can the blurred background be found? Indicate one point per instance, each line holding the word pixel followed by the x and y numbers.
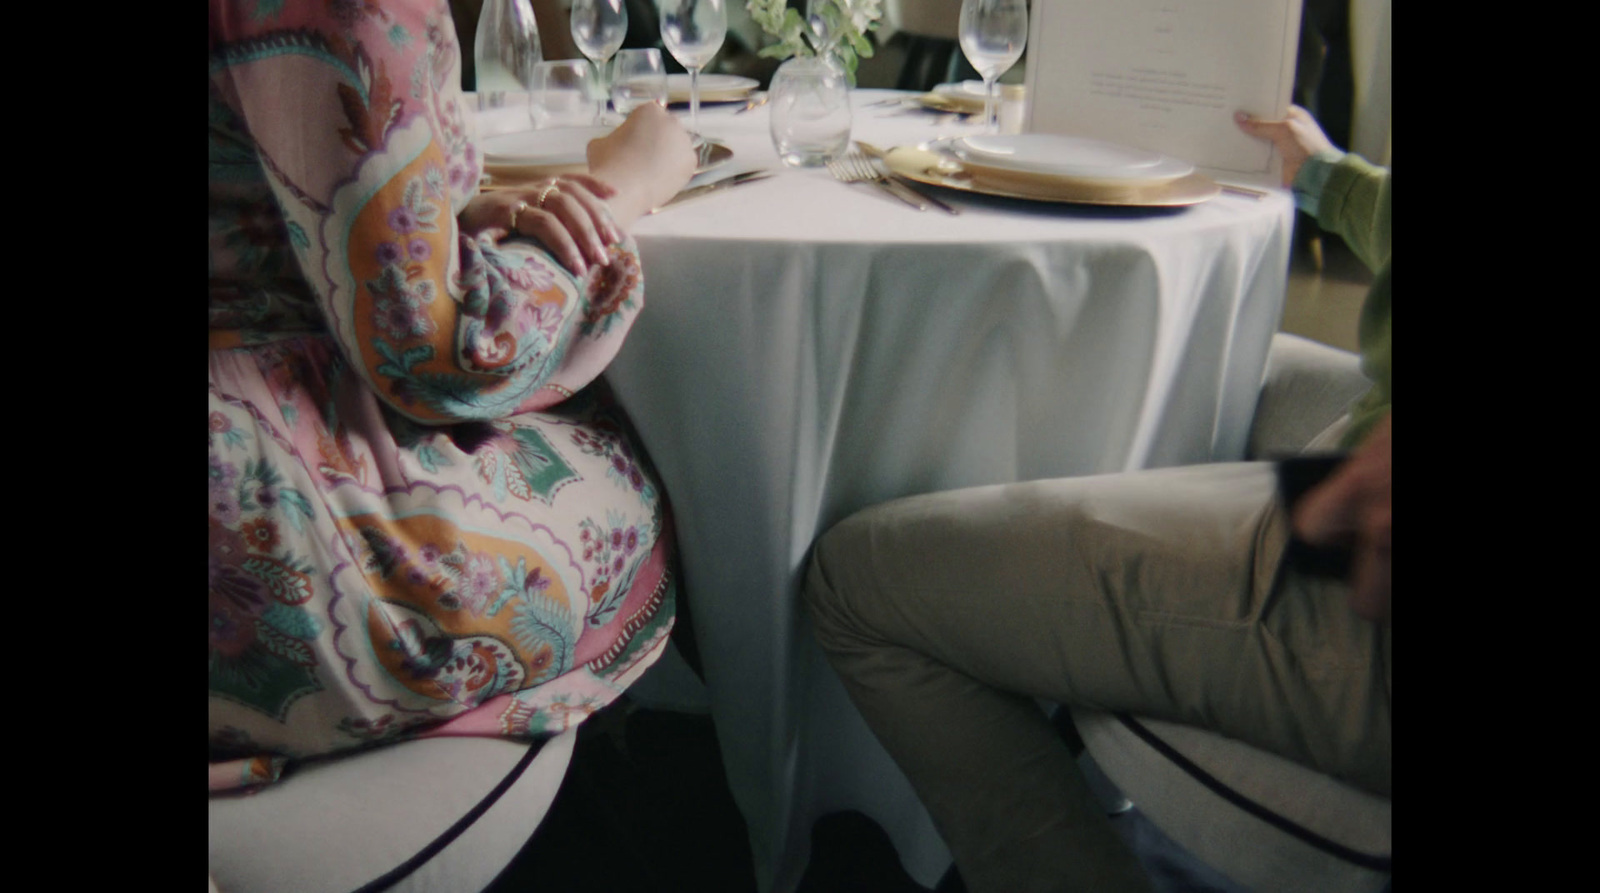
pixel 1342 77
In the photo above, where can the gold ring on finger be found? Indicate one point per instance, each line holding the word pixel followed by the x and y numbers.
pixel 545 193
pixel 521 206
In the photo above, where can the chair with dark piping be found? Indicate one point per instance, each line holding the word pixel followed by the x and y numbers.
pixel 1261 820
pixel 434 814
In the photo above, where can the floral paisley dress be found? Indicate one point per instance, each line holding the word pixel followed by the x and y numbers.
pixel 426 516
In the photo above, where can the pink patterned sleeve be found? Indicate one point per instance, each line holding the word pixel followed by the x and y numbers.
pixel 355 113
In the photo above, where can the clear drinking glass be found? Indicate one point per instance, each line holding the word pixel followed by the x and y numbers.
pixel 562 95
pixel 809 101
pixel 993 34
pixel 638 77
pixel 598 27
pixel 693 31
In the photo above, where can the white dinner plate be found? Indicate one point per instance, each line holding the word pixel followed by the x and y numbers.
pixel 713 87
pixel 556 146
pixel 1068 156
pixel 518 175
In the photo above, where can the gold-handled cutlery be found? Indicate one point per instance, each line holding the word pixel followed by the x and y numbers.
pixel 753 102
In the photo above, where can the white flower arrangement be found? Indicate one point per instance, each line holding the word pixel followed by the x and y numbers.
pixel 836 27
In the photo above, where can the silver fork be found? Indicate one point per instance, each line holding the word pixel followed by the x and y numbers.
pixel 854 167
pixel 878 160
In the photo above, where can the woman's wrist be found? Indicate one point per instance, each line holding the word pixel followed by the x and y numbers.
pixel 646 160
pixel 640 189
pixel 631 199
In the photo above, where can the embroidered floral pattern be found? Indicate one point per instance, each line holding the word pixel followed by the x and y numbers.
pixel 257 235
pixel 610 550
pixel 388 727
pixel 522 463
pixel 612 289
pixel 605 441
pixel 466 670
pixel 259 655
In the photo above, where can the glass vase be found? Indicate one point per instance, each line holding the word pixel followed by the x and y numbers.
pixel 810 111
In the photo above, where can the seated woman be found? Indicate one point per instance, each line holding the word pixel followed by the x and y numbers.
pixel 426 515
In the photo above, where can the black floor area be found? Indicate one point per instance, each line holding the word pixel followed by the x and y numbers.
pixel 645 808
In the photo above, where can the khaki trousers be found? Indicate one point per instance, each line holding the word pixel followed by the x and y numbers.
pixel 1156 593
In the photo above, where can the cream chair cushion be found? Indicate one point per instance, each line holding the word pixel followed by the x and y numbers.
pixel 1261 820
pixel 1307 387
pixel 434 814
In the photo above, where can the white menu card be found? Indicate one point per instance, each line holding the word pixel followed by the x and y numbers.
pixel 1165 75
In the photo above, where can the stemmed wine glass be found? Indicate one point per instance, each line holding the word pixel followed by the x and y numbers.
pixel 598 27
pixel 693 31
pixel 993 33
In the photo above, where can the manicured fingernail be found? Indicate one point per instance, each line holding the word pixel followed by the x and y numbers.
pixel 1241 117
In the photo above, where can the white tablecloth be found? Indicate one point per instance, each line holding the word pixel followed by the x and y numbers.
pixel 810 348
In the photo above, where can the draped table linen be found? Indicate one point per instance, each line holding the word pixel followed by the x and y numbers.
pixel 813 348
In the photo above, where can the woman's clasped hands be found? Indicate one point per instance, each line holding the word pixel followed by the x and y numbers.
pixel 566 214
pixel 576 216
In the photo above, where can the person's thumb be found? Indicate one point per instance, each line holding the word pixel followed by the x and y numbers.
pixel 1258 126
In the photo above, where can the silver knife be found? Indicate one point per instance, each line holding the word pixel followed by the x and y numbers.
pixel 708 188
pixel 877 155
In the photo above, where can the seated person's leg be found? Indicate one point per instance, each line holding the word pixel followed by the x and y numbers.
pixel 1151 593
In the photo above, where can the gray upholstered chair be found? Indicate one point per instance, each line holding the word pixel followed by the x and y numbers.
pixel 435 814
pixel 1262 821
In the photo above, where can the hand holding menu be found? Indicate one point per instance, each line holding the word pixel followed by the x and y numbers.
pixel 1165 75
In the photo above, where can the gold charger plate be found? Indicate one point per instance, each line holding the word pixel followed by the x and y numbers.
pixel 513 176
pixel 925 163
pixel 710 96
pixel 713 88
pixel 963 103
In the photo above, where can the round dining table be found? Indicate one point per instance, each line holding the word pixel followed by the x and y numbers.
pixel 810 347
